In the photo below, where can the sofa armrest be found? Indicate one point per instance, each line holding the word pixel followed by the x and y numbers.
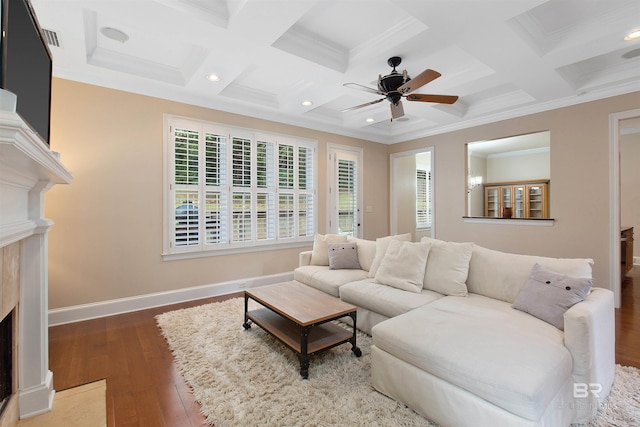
pixel 589 334
pixel 304 258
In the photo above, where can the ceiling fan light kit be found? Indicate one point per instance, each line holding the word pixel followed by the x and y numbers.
pixel 395 86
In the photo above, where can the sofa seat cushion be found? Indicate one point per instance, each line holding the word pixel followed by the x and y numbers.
pixel 482 345
pixel 325 279
pixel 383 299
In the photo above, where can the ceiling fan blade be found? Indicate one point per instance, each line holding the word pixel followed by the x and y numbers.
pixel 397 110
pixel 441 99
pixel 362 105
pixel 418 81
pixel 364 88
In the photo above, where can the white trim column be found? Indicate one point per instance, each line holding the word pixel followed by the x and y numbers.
pixel 34 377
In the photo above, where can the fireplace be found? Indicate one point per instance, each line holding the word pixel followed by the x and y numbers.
pixel 28 169
pixel 6 360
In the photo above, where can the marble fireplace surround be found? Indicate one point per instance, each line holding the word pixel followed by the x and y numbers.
pixel 28 169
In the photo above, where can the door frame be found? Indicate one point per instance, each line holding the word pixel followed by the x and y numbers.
pixel 393 212
pixel 615 276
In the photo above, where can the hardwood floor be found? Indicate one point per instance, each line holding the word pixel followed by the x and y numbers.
pixel 628 321
pixel 144 387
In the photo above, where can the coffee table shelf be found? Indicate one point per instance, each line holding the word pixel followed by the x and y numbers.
pixel 320 337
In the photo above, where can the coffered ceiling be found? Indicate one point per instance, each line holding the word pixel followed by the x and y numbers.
pixel 503 58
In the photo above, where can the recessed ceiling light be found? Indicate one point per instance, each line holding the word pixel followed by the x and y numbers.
pixel 370 120
pixel 213 77
pixel 307 103
pixel 633 35
pixel 114 34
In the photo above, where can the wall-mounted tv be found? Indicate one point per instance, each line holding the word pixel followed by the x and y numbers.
pixel 26 64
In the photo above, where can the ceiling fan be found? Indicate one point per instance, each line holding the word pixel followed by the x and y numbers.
pixel 395 86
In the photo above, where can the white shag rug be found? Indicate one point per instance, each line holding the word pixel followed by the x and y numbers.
pixel 247 378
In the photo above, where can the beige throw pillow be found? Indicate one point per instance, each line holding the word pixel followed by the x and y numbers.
pixel 382 243
pixel 320 253
pixel 343 256
pixel 403 265
pixel 447 267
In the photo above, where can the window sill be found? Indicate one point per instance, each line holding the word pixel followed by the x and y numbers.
pixel 546 222
pixel 234 251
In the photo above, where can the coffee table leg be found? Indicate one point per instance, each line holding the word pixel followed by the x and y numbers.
pixel 303 356
pixel 354 347
pixel 247 323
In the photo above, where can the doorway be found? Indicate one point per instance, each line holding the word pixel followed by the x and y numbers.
pixel 619 123
pixel 412 184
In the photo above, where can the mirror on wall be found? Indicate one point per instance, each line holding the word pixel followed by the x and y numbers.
pixel 509 177
pixel 412 184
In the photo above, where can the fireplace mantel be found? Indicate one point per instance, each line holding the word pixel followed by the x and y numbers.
pixel 28 169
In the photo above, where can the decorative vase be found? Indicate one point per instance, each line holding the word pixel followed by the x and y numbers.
pixel 506 212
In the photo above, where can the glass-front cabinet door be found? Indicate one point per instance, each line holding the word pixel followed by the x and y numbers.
pixel 492 202
pixel 519 202
pixel 536 195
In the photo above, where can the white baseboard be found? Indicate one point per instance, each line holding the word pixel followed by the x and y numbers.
pixel 77 313
pixel 636 260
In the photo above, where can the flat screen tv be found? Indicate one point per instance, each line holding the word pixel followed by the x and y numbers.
pixel 26 65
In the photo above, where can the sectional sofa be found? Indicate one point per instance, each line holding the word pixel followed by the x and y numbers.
pixel 466 335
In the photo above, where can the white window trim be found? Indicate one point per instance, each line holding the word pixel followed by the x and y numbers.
pixel 168 253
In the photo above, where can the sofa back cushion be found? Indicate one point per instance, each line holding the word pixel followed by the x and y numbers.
pixel 502 275
pixel 366 251
pixel 320 253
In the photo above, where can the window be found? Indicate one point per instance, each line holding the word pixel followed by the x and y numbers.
pixel 423 198
pixel 232 188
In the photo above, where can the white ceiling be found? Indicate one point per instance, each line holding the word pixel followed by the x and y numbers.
pixel 503 58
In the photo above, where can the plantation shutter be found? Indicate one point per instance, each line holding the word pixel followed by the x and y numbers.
pixel 266 195
pixel 286 184
pixel 215 211
pixel 347 197
pixel 305 194
pixel 186 229
pixel 423 198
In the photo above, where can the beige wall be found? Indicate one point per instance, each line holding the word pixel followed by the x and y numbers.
pixel 107 239
pixel 405 194
pixel 579 183
pixel 518 167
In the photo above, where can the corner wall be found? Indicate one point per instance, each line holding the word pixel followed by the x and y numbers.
pixel 107 239
pixel 579 184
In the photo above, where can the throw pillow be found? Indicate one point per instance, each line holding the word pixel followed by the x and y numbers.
pixel 382 243
pixel 447 267
pixel 343 256
pixel 403 265
pixel 319 254
pixel 547 295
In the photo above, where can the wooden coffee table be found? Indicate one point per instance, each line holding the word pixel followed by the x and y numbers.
pixel 300 317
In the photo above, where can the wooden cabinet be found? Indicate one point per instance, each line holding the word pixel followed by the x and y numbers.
pixel 626 249
pixel 527 199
